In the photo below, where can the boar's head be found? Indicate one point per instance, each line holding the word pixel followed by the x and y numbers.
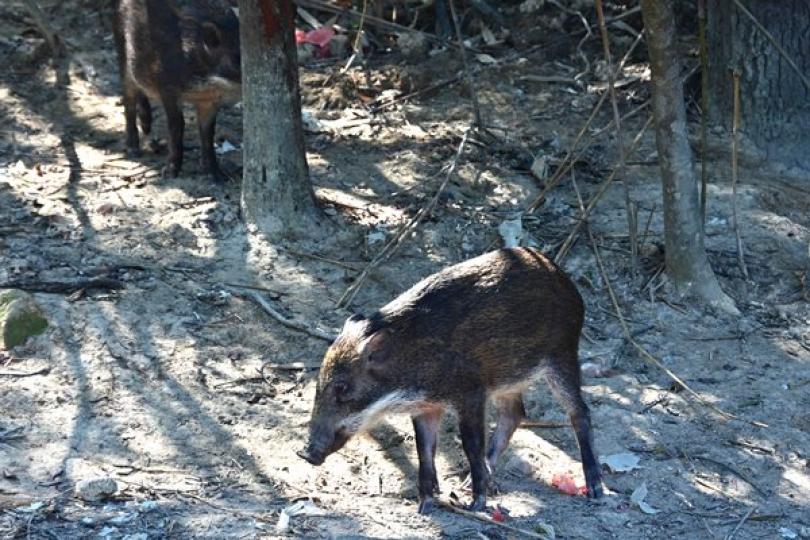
pixel 354 387
pixel 221 48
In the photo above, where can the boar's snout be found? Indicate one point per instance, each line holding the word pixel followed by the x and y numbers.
pixel 321 444
pixel 311 456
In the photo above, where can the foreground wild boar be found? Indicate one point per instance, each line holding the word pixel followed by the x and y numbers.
pixel 482 330
pixel 175 51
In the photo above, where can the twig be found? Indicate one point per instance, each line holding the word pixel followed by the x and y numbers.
pixel 569 241
pixel 617 123
pixel 735 126
pixel 775 43
pixel 546 79
pixel 312 256
pixel 403 231
pixel 467 71
pixel 488 520
pixel 252 287
pixel 704 105
pixel 289 323
pixel 740 524
pixel 733 471
pixel 542 425
pixel 291 366
pixel 41 371
pixel 234 511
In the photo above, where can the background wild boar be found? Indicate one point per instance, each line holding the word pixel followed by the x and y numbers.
pixel 482 330
pixel 174 52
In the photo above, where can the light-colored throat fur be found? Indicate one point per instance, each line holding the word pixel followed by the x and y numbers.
pixel 398 401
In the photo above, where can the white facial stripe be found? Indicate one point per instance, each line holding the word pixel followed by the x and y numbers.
pixel 396 401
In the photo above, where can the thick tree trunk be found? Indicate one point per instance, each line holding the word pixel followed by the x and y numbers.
pixel 276 192
pixel 775 104
pixel 686 260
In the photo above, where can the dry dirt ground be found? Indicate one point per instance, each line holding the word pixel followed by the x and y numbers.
pixel 160 385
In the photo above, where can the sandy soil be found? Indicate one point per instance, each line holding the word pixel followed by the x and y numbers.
pixel 160 385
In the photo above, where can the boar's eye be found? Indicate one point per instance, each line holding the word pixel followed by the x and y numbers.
pixel 342 391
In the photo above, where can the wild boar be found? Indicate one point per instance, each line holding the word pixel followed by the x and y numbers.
pixel 478 332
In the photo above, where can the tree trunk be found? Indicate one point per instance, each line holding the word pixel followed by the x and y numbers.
pixel 775 103
pixel 686 260
pixel 277 195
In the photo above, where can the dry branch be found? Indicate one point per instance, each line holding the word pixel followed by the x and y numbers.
pixel 735 135
pixel 572 236
pixel 467 71
pixel 632 229
pixel 289 323
pixel 62 287
pixel 488 520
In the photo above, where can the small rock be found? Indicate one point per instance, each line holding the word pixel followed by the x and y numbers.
pixel 96 489
pixel 20 318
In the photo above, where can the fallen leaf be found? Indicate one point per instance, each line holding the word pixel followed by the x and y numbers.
pixel 621 462
pixel 637 498
pixel 300 508
pixel 485 59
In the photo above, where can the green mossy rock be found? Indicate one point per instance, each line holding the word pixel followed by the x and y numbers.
pixel 20 318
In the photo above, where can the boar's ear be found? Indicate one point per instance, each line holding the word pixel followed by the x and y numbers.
pixel 376 348
pixel 212 37
pixel 354 319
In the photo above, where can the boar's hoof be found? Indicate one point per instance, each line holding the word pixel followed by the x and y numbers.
pixel 310 457
pixel 479 504
pixel 595 491
pixel 427 505
pixel 133 152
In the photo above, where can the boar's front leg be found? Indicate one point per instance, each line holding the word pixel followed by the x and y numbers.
pixel 472 425
pixel 176 125
pixel 206 122
pixel 426 427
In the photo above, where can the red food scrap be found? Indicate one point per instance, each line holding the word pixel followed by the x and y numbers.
pixel 565 483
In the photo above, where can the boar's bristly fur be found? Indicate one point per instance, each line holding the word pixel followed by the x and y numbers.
pixel 478 332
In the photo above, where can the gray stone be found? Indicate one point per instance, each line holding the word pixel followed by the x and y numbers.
pixel 96 489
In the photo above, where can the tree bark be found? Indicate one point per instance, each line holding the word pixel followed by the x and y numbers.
pixel 775 106
pixel 686 260
pixel 277 195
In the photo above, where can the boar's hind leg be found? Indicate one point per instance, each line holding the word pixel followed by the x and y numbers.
pixel 176 124
pixel 130 100
pixel 565 385
pixel 145 119
pixel 472 425
pixel 426 428
pixel 510 413
pixel 206 122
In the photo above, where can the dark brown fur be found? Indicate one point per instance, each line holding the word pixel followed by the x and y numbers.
pixel 475 332
pixel 174 52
